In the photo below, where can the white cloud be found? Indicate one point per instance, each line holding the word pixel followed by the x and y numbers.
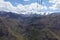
pixel 7 6
pixel 56 4
pixel 54 1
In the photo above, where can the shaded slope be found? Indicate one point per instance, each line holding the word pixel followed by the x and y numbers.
pixel 51 34
pixel 9 25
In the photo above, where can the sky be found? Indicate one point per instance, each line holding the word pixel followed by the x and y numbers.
pixel 30 6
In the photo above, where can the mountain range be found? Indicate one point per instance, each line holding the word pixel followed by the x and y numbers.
pixel 29 27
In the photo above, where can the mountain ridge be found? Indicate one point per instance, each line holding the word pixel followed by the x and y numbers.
pixel 35 27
